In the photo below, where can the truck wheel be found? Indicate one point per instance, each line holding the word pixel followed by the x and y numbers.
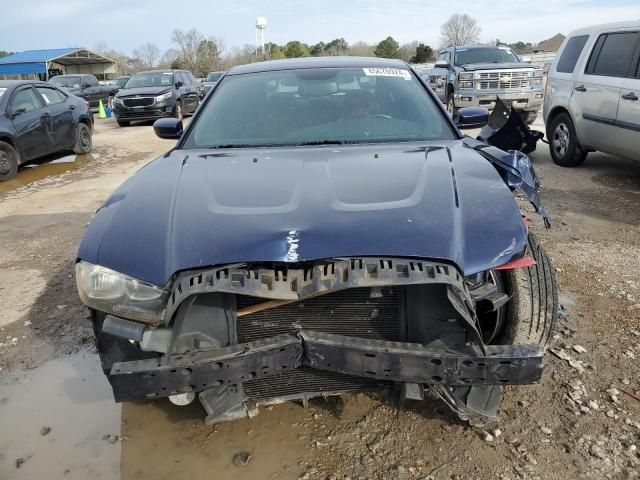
pixel 8 162
pixel 529 117
pixel 123 123
pixel 177 113
pixel 83 140
pixel 563 142
pixel 451 106
pixel 533 309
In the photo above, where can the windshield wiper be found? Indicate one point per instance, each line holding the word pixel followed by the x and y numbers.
pixel 322 142
pixel 232 145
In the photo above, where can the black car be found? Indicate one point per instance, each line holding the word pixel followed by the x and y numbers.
pixel 85 86
pixel 156 94
pixel 210 81
pixel 38 119
pixel 321 226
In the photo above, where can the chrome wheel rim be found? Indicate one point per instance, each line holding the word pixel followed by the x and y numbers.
pixel 85 139
pixel 561 140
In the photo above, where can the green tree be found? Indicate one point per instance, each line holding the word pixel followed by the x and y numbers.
pixel 4 53
pixel 339 46
pixel 296 49
pixel 317 49
pixel 388 48
pixel 424 53
pixel 276 53
pixel 207 57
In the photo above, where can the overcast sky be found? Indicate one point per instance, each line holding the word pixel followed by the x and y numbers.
pixel 125 24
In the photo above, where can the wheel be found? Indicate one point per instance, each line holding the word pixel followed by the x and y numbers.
pixel 451 106
pixel 83 140
pixel 529 117
pixel 8 162
pixel 123 123
pixel 563 142
pixel 178 113
pixel 533 309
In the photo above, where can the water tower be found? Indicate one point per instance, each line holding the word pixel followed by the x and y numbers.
pixel 261 26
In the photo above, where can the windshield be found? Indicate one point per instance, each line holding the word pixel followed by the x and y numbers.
pixel 150 79
pixel 66 81
pixel 214 76
pixel 121 81
pixel 318 106
pixel 465 56
pixel 2 90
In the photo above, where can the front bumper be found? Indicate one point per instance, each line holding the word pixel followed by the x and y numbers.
pixel 373 359
pixel 526 100
pixel 155 111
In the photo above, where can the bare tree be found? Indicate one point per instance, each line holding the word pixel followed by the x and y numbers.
pixel 149 53
pixel 459 30
pixel 188 43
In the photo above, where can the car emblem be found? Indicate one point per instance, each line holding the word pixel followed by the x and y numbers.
pixel 505 78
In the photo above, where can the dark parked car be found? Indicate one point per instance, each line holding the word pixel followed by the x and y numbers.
pixel 210 81
pixel 321 226
pixel 87 87
pixel 156 94
pixel 38 119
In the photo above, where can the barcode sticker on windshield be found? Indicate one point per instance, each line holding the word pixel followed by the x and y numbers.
pixel 387 72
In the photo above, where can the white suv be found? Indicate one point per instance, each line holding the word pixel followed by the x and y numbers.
pixel 592 94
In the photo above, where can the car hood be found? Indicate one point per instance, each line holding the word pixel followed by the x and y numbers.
pixel 496 66
pixel 128 92
pixel 191 209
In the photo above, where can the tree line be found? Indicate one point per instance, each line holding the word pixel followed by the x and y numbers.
pixel 194 51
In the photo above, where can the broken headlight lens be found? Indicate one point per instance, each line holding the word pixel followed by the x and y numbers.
pixel 118 294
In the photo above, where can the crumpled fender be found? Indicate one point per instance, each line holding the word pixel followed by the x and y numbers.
pixel 507 131
pixel 516 170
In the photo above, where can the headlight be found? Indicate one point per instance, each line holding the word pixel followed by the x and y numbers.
pixel 117 101
pixel 164 96
pixel 112 292
pixel 465 84
pixel 465 76
pixel 537 73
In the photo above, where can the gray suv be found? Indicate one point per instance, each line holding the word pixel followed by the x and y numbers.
pixel 592 94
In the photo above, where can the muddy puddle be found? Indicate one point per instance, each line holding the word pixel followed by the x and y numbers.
pixel 165 441
pixel 71 397
pixel 45 168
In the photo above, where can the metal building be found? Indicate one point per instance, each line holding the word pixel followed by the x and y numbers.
pixel 43 64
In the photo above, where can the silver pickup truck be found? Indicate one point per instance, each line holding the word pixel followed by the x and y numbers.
pixel 474 76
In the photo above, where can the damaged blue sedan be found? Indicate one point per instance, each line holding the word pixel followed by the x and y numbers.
pixel 322 226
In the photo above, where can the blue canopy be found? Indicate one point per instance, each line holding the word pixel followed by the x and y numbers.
pixel 35 61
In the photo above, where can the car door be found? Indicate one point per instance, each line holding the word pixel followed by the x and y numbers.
pixel 60 127
pixel 628 119
pixel 91 90
pixel 187 92
pixel 29 118
pixel 597 89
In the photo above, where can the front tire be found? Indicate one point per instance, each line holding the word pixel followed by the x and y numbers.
pixel 563 142
pixel 84 141
pixel 8 162
pixel 178 112
pixel 533 309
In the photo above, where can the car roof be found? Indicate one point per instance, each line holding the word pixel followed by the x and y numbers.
pixel 318 62
pixel 164 70
pixel 605 26
pixel 16 83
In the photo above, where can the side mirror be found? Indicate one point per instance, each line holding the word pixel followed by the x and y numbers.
pixel 179 84
pixel 170 128
pixel 442 65
pixel 471 117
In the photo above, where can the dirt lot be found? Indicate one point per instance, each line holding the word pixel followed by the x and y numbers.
pixel 57 419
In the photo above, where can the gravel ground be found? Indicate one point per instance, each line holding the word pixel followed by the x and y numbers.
pixel 581 422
